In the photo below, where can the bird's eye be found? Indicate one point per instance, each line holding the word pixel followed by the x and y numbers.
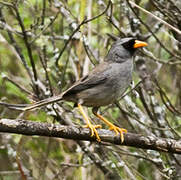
pixel 117 55
pixel 129 44
pixel 118 58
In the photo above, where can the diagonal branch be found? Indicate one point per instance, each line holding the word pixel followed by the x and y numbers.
pixel 31 128
pixel 77 29
pixel 157 18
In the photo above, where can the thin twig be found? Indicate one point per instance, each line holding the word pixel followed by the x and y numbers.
pixel 77 29
pixel 171 108
pixel 161 44
pixel 28 49
pixel 19 86
pixel 17 48
pixel 45 28
pixel 157 18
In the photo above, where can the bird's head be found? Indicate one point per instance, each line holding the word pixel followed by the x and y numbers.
pixel 123 49
pixel 130 44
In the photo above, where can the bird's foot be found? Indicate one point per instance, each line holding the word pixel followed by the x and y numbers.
pixel 93 129
pixel 89 124
pixel 112 127
pixel 118 130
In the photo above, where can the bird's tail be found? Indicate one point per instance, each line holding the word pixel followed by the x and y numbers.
pixel 13 106
pixel 43 102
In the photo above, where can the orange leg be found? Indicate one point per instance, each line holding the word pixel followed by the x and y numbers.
pixel 116 129
pixel 89 125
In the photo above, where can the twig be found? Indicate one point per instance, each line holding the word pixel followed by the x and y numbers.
pixel 161 44
pixel 44 29
pixel 145 105
pixel 13 106
pixel 157 18
pixel 163 95
pixel 43 61
pixel 19 86
pixel 135 87
pixel 28 49
pixel 77 29
pixel 17 48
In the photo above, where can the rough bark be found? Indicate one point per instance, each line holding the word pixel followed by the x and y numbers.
pixel 31 128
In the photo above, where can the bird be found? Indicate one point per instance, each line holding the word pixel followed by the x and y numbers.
pixel 102 86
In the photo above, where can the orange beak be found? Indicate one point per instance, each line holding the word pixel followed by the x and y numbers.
pixel 138 44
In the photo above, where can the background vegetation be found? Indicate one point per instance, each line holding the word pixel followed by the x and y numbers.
pixel 45 46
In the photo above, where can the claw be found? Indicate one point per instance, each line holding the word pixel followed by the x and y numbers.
pixel 118 130
pixel 89 125
pixel 93 130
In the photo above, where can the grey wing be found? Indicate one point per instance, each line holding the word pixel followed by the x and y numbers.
pixel 96 77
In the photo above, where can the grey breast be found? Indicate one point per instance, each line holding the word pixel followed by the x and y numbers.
pixel 119 76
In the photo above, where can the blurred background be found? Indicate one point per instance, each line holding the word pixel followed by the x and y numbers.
pixel 45 46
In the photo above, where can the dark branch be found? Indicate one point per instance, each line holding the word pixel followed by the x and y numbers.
pixel 30 128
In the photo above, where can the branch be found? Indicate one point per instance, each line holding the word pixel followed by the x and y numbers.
pixel 155 17
pixel 30 128
pixel 77 29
